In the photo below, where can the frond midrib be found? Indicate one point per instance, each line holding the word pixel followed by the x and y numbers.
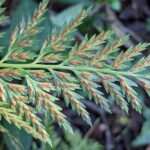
pixel 74 68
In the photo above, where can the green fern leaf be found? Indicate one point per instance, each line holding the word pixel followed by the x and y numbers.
pixel 31 82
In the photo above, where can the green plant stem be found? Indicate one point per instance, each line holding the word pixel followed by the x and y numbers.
pixel 73 68
pixel 6 56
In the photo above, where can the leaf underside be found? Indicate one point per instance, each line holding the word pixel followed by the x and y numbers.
pixel 31 82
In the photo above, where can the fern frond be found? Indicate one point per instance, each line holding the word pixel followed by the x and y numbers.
pixel 109 49
pixel 141 64
pixel 59 41
pixel 22 37
pixel 91 90
pixel 31 81
pixel 11 116
pixel 130 92
pixel 115 91
pixel 2 17
pixel 129 54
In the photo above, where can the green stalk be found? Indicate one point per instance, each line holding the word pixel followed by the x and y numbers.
pixel 73 68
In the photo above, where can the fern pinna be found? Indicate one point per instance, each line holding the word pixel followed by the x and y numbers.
pixel 61 70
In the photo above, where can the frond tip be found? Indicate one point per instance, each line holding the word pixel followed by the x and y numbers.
pixel 95 69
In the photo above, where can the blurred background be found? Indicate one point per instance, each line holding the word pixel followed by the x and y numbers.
pixel 118 131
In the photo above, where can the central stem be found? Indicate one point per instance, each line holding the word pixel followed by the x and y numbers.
pixel 73 68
